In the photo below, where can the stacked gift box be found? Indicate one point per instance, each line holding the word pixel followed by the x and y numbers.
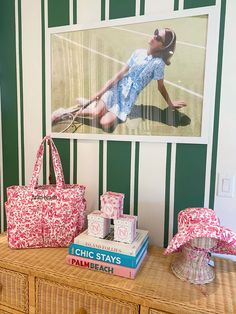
pixel 119 249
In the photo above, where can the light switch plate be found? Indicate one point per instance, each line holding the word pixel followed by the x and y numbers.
pixel 226 185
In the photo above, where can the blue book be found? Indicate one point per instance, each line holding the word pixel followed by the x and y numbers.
pixel 107 256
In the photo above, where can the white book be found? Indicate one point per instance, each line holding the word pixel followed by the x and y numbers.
pixel 109 244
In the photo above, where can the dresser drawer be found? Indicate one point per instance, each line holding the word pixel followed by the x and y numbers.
pixel 14 290
pixel 53 298
pixel 157 312
pixel 7 310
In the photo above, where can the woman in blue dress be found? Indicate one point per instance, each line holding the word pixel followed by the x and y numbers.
pixel 117 97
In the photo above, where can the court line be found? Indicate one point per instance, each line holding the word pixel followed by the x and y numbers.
pixel 149 35
pixel 184 89
pixel 123 63
pixel 90 49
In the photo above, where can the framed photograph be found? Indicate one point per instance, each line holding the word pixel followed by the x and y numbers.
pixel 84 61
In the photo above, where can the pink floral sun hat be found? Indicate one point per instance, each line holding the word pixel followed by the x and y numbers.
pixel 198 223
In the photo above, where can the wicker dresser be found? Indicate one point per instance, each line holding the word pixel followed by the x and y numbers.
pixel 39 281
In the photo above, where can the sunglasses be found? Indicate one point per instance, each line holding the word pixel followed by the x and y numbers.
pixel 158 37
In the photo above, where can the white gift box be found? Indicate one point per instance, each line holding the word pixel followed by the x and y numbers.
pixel 125 228
pixel 112 205
pixel 98 226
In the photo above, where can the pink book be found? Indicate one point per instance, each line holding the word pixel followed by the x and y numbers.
pixel 104 267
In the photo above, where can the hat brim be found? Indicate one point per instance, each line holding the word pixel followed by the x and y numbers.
pixel 226 243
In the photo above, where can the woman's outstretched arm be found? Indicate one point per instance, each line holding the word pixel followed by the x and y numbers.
pixel 118 76
pixel 173 104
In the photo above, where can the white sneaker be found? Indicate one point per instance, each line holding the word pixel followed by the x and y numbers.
pixel 62 114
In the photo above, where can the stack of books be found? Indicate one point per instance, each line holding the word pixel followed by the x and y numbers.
pixel 107 255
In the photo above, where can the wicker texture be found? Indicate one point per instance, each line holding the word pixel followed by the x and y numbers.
pixel 7 310
pixel 156 312
pixel 155 286
pixel 192 263
pixel 14 289
pixel 53 298
pixel 195 269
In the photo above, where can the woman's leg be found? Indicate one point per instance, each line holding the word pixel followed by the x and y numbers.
pixel 95 109
pixel 98 110
pixel 108 120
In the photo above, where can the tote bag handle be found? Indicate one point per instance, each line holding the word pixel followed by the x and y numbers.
pixel 56 164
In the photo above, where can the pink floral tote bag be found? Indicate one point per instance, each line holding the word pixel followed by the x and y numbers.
pixel 45 215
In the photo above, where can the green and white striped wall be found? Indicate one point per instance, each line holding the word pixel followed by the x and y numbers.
pixel 158 179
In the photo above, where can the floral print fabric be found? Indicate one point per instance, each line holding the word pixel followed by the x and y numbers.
pixel 199 223
pixel 143 68
pixel 48 215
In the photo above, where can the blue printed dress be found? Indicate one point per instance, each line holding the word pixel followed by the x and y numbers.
pixel 143 68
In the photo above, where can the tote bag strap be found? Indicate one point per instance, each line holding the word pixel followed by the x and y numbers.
pixel 56 164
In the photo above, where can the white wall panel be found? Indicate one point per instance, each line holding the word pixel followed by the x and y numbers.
pixel 226 157
pixel 88 170
pixel 158 6
pixel 32 80
pixel 151 191
pixel 88 11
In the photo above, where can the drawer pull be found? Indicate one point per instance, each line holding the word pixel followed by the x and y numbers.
pixel 81 311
